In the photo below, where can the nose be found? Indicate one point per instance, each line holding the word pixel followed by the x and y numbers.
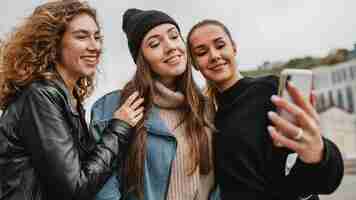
pixel 214 55
pixel 94 44
pixel 170 46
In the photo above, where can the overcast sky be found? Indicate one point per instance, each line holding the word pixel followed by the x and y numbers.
pixel 263 29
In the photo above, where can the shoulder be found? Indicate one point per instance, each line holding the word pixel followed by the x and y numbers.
pixel 104 107
pixel 259 91
pixel 46 90
pixel 269 81
pixel 263 85
pixel 43 96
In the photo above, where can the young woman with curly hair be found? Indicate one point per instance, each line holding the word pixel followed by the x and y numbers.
pixel 47 68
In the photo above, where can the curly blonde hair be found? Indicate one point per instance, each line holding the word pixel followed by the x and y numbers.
pixel 32 50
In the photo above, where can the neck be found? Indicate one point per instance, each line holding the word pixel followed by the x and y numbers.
pixel 166 98
pixel 170 83
pixel 229 83
pixel 69 79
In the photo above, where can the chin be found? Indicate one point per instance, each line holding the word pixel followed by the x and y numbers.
pixel 219 80
pixel 89 73
pixel 181 69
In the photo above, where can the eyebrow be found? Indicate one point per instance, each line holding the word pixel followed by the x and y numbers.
pixel 218 38
pixel 157 35
pixel 84 31
pixel 198 47
pixel 202 45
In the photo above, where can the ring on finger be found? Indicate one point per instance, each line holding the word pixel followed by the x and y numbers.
pixel 299 135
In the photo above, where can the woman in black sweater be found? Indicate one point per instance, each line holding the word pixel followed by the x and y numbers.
pixel 248 164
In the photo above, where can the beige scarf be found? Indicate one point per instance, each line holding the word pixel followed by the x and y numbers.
pixel 181 186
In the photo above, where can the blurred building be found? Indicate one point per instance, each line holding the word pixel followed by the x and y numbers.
pixel 352 53
pixel 335 87
pixel 339 126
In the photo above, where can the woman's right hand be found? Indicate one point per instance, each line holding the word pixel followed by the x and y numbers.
pixel 131 111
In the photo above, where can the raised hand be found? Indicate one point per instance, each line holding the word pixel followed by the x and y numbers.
pixel 304 135
pixel 131 111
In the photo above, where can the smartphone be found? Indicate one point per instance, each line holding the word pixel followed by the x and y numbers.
pixel 302 79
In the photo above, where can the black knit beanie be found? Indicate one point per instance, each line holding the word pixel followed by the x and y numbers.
pixel 136 23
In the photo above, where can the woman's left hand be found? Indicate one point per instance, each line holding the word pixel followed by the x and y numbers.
pixel 304 135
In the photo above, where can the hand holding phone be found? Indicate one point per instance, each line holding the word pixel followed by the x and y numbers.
pixel 297 127
pixel 302 79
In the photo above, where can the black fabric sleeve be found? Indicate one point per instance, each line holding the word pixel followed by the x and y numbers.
pixel 303 179
pixel 54 153
pixel 320 178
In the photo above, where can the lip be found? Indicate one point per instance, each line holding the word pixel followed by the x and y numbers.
pixel 218 66
pixel 175 59
pixel 90 59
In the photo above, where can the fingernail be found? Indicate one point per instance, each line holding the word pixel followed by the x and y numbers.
pixel 290 84
pixel 270 129
pixel 271 114
pixel 275 98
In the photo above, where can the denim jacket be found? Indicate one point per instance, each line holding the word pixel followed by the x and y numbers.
pixel 161 150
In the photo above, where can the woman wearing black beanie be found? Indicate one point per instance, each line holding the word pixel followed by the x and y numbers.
pixel 169 153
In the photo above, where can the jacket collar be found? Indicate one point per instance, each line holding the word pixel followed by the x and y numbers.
pixel 155 125
pixel 58 82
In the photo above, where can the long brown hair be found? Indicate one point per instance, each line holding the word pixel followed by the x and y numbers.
pixel 33 49
pixel 195 114
pixel 210 90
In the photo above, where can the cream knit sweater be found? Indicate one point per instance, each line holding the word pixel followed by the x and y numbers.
pixel 181 186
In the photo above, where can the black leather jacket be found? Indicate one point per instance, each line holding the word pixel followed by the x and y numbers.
pixel 47 151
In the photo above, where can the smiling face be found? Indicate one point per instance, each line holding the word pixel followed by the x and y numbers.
pixel 80 47
pixel 164 50
pixel 214 55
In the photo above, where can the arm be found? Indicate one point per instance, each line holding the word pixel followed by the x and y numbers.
pixel 325 176
pixel 102 111
pixel 47 136
pixel 319 162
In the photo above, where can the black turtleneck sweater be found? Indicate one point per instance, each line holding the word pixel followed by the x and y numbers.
pixel 248 165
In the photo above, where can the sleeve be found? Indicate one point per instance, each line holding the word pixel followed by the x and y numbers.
pixel 321 178
pixel 47 136
pixel 304 179
pixel 100 113
pixel 110 190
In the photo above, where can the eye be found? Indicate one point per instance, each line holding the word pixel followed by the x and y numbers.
pixel 153 44
pixel 81 36
pixel 173 35
pixel 99 38
pixel 200 53
pixel 220 45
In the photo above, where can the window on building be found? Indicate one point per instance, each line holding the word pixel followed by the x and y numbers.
pixel 340 99
pixel 321 102
pixel 350 99
pixel 333 77
pixel 344 75
pixel 352 75
pixel 353 71
pixel 331 99
pixel 337 76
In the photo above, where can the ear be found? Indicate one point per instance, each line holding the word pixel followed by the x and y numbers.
pixel 194 63
pixel 192 60
pixel 234 47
